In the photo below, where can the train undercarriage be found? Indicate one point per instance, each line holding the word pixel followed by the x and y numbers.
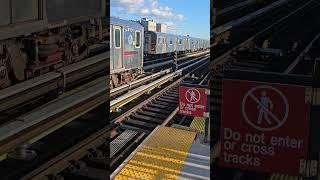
pixel 122 78
pixel 23 58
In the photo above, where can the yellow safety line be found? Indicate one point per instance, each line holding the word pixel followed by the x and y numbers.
pixel 276 176
pixel 198 124
pixel 161 157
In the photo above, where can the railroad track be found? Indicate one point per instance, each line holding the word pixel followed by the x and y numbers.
pixel 61 151
pixel 238 30
pixel 35 110
pixel 118 102
pixel 57 81
pixel 182 62
pixel 253 45
pixel 286 63
pixel 51 129
pixel 154 67
pixel 150 61
pixel 239 9
pixel 246 33
pixel 136 122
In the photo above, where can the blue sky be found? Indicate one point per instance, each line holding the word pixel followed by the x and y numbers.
pixel 184 17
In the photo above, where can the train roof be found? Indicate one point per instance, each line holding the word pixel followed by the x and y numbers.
pixel 128 23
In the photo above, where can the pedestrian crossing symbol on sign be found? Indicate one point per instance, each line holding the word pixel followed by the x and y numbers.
pixel 193 95
pixel 265 108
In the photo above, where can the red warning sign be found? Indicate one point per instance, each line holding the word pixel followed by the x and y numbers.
pixel 264 126
pixel 192 101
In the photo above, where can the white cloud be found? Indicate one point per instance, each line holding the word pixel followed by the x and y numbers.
pixel 144 11
pixel 149 9
pixel 129 1
pixel 180 17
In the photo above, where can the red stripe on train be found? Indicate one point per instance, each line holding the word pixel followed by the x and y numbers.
pixel 130 53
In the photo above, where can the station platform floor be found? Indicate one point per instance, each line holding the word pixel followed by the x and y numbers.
pixel 169 153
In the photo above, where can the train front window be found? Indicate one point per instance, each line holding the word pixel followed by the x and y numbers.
pixel 137 39
pixel 117 36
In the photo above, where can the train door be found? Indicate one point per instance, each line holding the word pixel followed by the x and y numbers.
pixel 117 47
pixel 162 44
pixel 165 49
pixel 147 45
pixel 187 45
pixel 111 47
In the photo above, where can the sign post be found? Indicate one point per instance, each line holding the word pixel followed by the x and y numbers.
pixel 175 60
pixel 264 126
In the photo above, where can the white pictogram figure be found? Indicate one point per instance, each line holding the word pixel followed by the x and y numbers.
pixel 193 95
pixel 265 103
pixel 263 108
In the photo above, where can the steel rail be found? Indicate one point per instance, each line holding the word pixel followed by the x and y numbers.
pixel 127 113
pixel 224 58
pixel 38 86
pixel 126 98
pixel 249 17
pixel 38 123
pixel 76 152
pixel 153 66
pixel 149 61
pixel 301 55
pixel 138 82
pixel 129 86
pixel 237 6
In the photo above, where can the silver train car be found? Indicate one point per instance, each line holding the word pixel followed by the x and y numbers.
pixel 38 36
pixel 126 51
pixel 163 44
pixel 129 44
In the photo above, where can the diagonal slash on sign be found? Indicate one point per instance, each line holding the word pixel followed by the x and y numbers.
pixel 265 108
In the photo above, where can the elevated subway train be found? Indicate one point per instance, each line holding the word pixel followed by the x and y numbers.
pixel 161 44
pixel 129 44
pixel 38 36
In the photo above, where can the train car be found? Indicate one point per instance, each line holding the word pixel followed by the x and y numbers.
pixel 181 41
pixel 38 36
pixel 192 44
pixel 126 51
pixel 159 44
pixel 155 43
pixel 171 43
pixel 187 44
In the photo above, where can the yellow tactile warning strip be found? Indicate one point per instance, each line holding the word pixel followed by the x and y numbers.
pixel 161 157
pixel 198 124
pixel 276 176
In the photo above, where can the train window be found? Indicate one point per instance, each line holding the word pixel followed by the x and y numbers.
pixel 180 41
pixel 171 42
pixel 117 37
pixel 138 37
